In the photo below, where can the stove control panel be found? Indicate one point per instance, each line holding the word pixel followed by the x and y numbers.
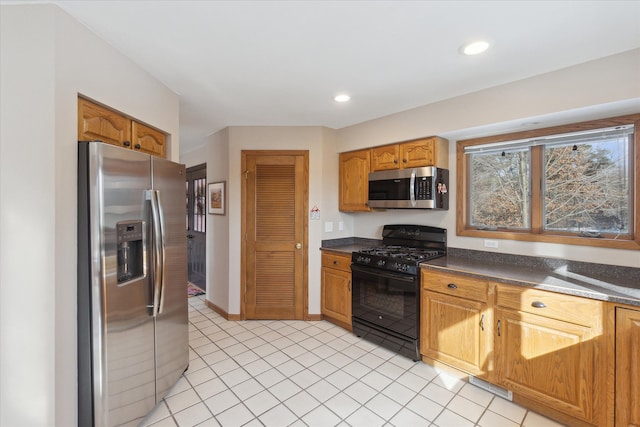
pixel 385 263
pixel 361 259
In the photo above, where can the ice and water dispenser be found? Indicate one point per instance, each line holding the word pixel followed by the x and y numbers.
pixel 130 250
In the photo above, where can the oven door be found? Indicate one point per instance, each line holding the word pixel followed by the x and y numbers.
pixel 386 299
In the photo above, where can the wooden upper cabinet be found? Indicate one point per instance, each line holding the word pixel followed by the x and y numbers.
pixel 96 122
pixel 418 153
pixel 432 151
pixel 148 140
pixel 386 157
pixel 354 181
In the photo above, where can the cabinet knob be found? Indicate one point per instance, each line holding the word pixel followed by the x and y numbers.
pixel 538 304
pixel 127 143
pixel 137 146
pixel 395 161
pixel 404 160
pixel 335 262
pixel 452 286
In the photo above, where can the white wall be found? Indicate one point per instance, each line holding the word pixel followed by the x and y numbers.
pixel 218 288
pixel 602 88
pixel 48 58
pixel 215 153
pixel 223 152
pixel 27 219
pixel 274 138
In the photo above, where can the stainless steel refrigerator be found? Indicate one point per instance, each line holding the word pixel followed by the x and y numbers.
pixel 132 283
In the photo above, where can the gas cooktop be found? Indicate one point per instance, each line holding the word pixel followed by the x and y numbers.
pixel 405 247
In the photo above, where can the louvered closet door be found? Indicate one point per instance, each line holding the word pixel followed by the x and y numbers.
pixel 275 236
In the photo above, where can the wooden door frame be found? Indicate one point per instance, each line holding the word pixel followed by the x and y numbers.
pixel 305 226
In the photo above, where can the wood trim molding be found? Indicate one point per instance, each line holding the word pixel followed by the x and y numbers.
pixel 221 312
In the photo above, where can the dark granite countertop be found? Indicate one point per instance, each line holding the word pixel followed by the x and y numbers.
pixel 349 244
pixel 590 280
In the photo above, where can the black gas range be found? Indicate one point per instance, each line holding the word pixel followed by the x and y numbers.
pixel 386 286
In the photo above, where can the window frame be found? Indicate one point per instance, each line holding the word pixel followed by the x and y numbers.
pixel 536 232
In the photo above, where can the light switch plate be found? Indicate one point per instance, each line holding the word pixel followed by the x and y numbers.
pixel 328 227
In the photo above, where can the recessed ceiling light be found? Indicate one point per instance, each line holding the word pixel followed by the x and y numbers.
pixel 474 48
pixel 343 97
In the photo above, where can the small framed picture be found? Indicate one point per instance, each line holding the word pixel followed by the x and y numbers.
pixel 216 198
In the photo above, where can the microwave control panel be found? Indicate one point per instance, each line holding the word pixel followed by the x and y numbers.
pixel 424 191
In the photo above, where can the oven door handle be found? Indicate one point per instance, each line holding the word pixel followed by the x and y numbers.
pixel 377 273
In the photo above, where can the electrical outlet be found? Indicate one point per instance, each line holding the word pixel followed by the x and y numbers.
pixel 341 225
pixel 490 243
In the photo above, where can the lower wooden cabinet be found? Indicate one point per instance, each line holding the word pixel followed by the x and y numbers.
pixel 551 350
pixel 456 322
pixel 336 288
pixel 627 367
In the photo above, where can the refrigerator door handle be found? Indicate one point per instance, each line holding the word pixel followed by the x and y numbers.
pixel 158 227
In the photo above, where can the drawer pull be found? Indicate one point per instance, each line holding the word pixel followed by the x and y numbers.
pixel 538 304
pixel 452 286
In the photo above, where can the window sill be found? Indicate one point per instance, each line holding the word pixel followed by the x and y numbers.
pixel 525 236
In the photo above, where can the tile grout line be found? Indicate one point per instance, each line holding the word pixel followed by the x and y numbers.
pixel 341 347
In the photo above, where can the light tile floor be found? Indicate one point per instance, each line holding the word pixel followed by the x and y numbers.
pixel 296 373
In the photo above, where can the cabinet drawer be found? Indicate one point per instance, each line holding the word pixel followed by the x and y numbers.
pixel 568 308
pixel 337 261
pixel 453 284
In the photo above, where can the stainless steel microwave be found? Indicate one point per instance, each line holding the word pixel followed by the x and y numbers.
pixel 416 188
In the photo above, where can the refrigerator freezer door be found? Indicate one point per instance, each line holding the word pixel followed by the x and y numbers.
pixel 114 326
pixel 172 331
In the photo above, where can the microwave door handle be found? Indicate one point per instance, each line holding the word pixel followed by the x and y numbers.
pixel 412 188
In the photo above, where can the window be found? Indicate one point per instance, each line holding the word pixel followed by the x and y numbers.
pixel 574 184
pixel 500 189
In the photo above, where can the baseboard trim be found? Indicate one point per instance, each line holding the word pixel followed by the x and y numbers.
pixel 221 312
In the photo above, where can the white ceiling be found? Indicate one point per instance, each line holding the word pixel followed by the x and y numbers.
pixel 281 62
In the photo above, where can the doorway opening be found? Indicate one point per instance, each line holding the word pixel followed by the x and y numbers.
pixel 196 223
